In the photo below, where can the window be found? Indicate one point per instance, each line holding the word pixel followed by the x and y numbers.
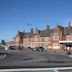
pixel 46 39
pixel 35 39
pixel 40 39
pixel 69 37
pixel 55 36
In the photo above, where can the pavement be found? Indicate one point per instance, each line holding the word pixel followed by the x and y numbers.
pixel 33 59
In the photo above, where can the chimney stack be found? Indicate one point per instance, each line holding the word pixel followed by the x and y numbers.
pixel 69 24
pixel 47 27
pixel 31 30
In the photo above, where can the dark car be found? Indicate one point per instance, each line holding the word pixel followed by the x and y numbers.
pixel 39 49
pixel 68 53
pixel 12 47
pixel 30 48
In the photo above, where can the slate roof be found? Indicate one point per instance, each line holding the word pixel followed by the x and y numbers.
pixel 46 33
pixel 28 35
pixel 43 33
pixel 21 34
pixel 68 30
pixel 62 30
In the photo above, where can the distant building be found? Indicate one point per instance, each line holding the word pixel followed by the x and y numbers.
pixel 48 38
pixel 10 43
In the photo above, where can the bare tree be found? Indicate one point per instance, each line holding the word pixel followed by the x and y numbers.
pixel 3 42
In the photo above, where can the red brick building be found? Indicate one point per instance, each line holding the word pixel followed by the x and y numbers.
pixel 18 39
pixel 48 38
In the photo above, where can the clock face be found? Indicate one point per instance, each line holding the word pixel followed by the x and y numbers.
pixel 55 36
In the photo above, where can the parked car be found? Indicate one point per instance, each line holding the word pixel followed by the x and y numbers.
pixel 12 47
pixel 68 53
pixel 41 48
pixel 16 47
pixel 29 48
pixel 2 48
pixel 38 49
pixel 34 49
pixel 6 47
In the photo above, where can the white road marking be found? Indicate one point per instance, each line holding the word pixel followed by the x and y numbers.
pixel 36 69
pixel 56 70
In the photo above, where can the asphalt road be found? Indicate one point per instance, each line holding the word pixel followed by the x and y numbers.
pixel 34 59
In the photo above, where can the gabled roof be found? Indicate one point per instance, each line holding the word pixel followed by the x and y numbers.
pixel 21 34
pixel 62 30
pixel 68 30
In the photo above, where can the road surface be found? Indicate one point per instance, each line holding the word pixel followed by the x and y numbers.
pixel 33 59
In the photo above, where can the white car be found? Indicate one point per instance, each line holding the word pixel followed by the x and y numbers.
pixel 6 47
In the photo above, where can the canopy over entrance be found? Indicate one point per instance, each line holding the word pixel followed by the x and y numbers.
pixel 67 44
